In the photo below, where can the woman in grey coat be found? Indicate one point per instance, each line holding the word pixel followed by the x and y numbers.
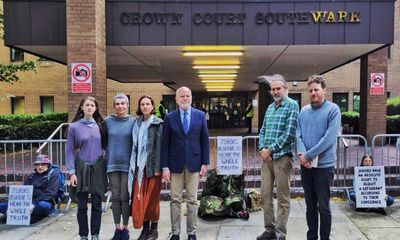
pixel 145 170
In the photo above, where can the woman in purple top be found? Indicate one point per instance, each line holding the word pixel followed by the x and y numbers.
pixel 86 165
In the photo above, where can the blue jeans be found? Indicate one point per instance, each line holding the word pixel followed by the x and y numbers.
pixel 95 219
pixel 42 208
pixel 316 184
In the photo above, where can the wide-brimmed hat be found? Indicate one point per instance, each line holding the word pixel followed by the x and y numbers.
pixel 42 159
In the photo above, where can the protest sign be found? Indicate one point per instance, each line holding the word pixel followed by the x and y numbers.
pixel 229 152
pixel 19 203
pixel 369 184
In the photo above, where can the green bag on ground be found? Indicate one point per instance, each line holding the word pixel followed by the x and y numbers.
pixel 211 205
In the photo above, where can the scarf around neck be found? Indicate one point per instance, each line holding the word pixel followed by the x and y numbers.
pixel 142 152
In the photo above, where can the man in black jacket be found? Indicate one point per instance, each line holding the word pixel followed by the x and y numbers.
pixel 45 189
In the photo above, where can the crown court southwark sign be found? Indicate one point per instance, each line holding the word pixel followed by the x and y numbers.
pixel 240 18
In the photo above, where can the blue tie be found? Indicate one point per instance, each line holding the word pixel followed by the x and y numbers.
pixel 185 122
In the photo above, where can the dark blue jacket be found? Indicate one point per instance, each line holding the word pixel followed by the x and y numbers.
pixel 180 149
pixel 43 189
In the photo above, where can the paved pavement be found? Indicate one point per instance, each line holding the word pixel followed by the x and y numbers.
pixel 347 225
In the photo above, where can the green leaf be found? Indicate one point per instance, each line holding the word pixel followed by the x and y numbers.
pixel 8 73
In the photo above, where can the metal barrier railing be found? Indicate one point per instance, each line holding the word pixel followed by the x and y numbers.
pixel 58 130
pixel 385 151
pixel 349 151
pixel 17 156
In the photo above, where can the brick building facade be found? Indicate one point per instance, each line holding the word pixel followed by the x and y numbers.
pixel 50 79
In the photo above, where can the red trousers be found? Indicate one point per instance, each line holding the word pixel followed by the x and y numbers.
pixel 147 207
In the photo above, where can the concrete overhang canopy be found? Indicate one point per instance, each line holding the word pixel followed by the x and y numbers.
pixel 294 38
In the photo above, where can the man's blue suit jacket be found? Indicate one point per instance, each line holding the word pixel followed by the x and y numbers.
pixel 179 149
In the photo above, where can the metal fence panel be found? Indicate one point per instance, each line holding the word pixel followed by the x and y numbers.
pixel 385 151
pixel 17 156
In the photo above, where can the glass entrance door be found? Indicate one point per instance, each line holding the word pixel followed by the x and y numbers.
pixel 218 112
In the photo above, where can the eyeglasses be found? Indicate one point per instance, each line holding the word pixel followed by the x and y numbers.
pixel 41 164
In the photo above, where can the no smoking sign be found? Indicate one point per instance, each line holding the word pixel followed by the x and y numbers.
pixel 81 77
pixel 377 85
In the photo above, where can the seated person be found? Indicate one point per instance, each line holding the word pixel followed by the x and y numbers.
pixel 44 190
pixel 367 161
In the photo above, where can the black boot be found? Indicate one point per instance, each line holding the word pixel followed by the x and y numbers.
pixel 145 231
pixel 153 231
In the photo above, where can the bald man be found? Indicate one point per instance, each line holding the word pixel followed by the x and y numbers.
pixel 184 159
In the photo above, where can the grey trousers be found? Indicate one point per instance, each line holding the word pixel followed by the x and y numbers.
pixel 178 181
pixel 277 172
pixel 120 196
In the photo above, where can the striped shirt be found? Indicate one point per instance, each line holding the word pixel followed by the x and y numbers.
pixel 278 131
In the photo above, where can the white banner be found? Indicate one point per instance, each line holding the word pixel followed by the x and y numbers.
pixel 229 160
pixel 369 184
pixel 19 203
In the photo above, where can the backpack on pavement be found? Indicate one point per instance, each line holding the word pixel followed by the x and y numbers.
pixel 60 197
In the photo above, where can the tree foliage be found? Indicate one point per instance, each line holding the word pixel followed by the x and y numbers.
pixel 8 73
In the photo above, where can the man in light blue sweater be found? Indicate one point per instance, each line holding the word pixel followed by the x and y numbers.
pixel 318 126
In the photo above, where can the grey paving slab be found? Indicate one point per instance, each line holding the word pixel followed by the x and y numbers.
pixel 296 228
pixel 346 231
pixel 368 219
pixel 297 208
pixel 379 233
pixel 346 225
pixel 239 232
pixel 17 232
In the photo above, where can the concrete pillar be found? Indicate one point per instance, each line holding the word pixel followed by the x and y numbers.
pixel 264 100
pixel 372 107
pixel 86 43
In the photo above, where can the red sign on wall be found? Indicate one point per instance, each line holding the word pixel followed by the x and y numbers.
pixel 81 77
pixel 377 86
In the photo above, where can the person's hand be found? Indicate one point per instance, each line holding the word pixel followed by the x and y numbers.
pixel 268 159
pixel 305 163
pixel 166 174
pixel 73 180
pixel 31 208
pixel 266 154
pixel 157 174
pixel 203 170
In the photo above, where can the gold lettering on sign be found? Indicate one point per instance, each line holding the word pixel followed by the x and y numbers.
pixel 331 17
pixel 335 17
pixel 355 17
pixel 317 16
pixel 342 16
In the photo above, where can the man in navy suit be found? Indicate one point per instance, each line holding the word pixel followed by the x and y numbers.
pixel 184 158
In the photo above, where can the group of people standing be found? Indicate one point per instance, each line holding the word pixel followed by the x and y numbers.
pixel 309 136
pixel 142 151
pixel 135 163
